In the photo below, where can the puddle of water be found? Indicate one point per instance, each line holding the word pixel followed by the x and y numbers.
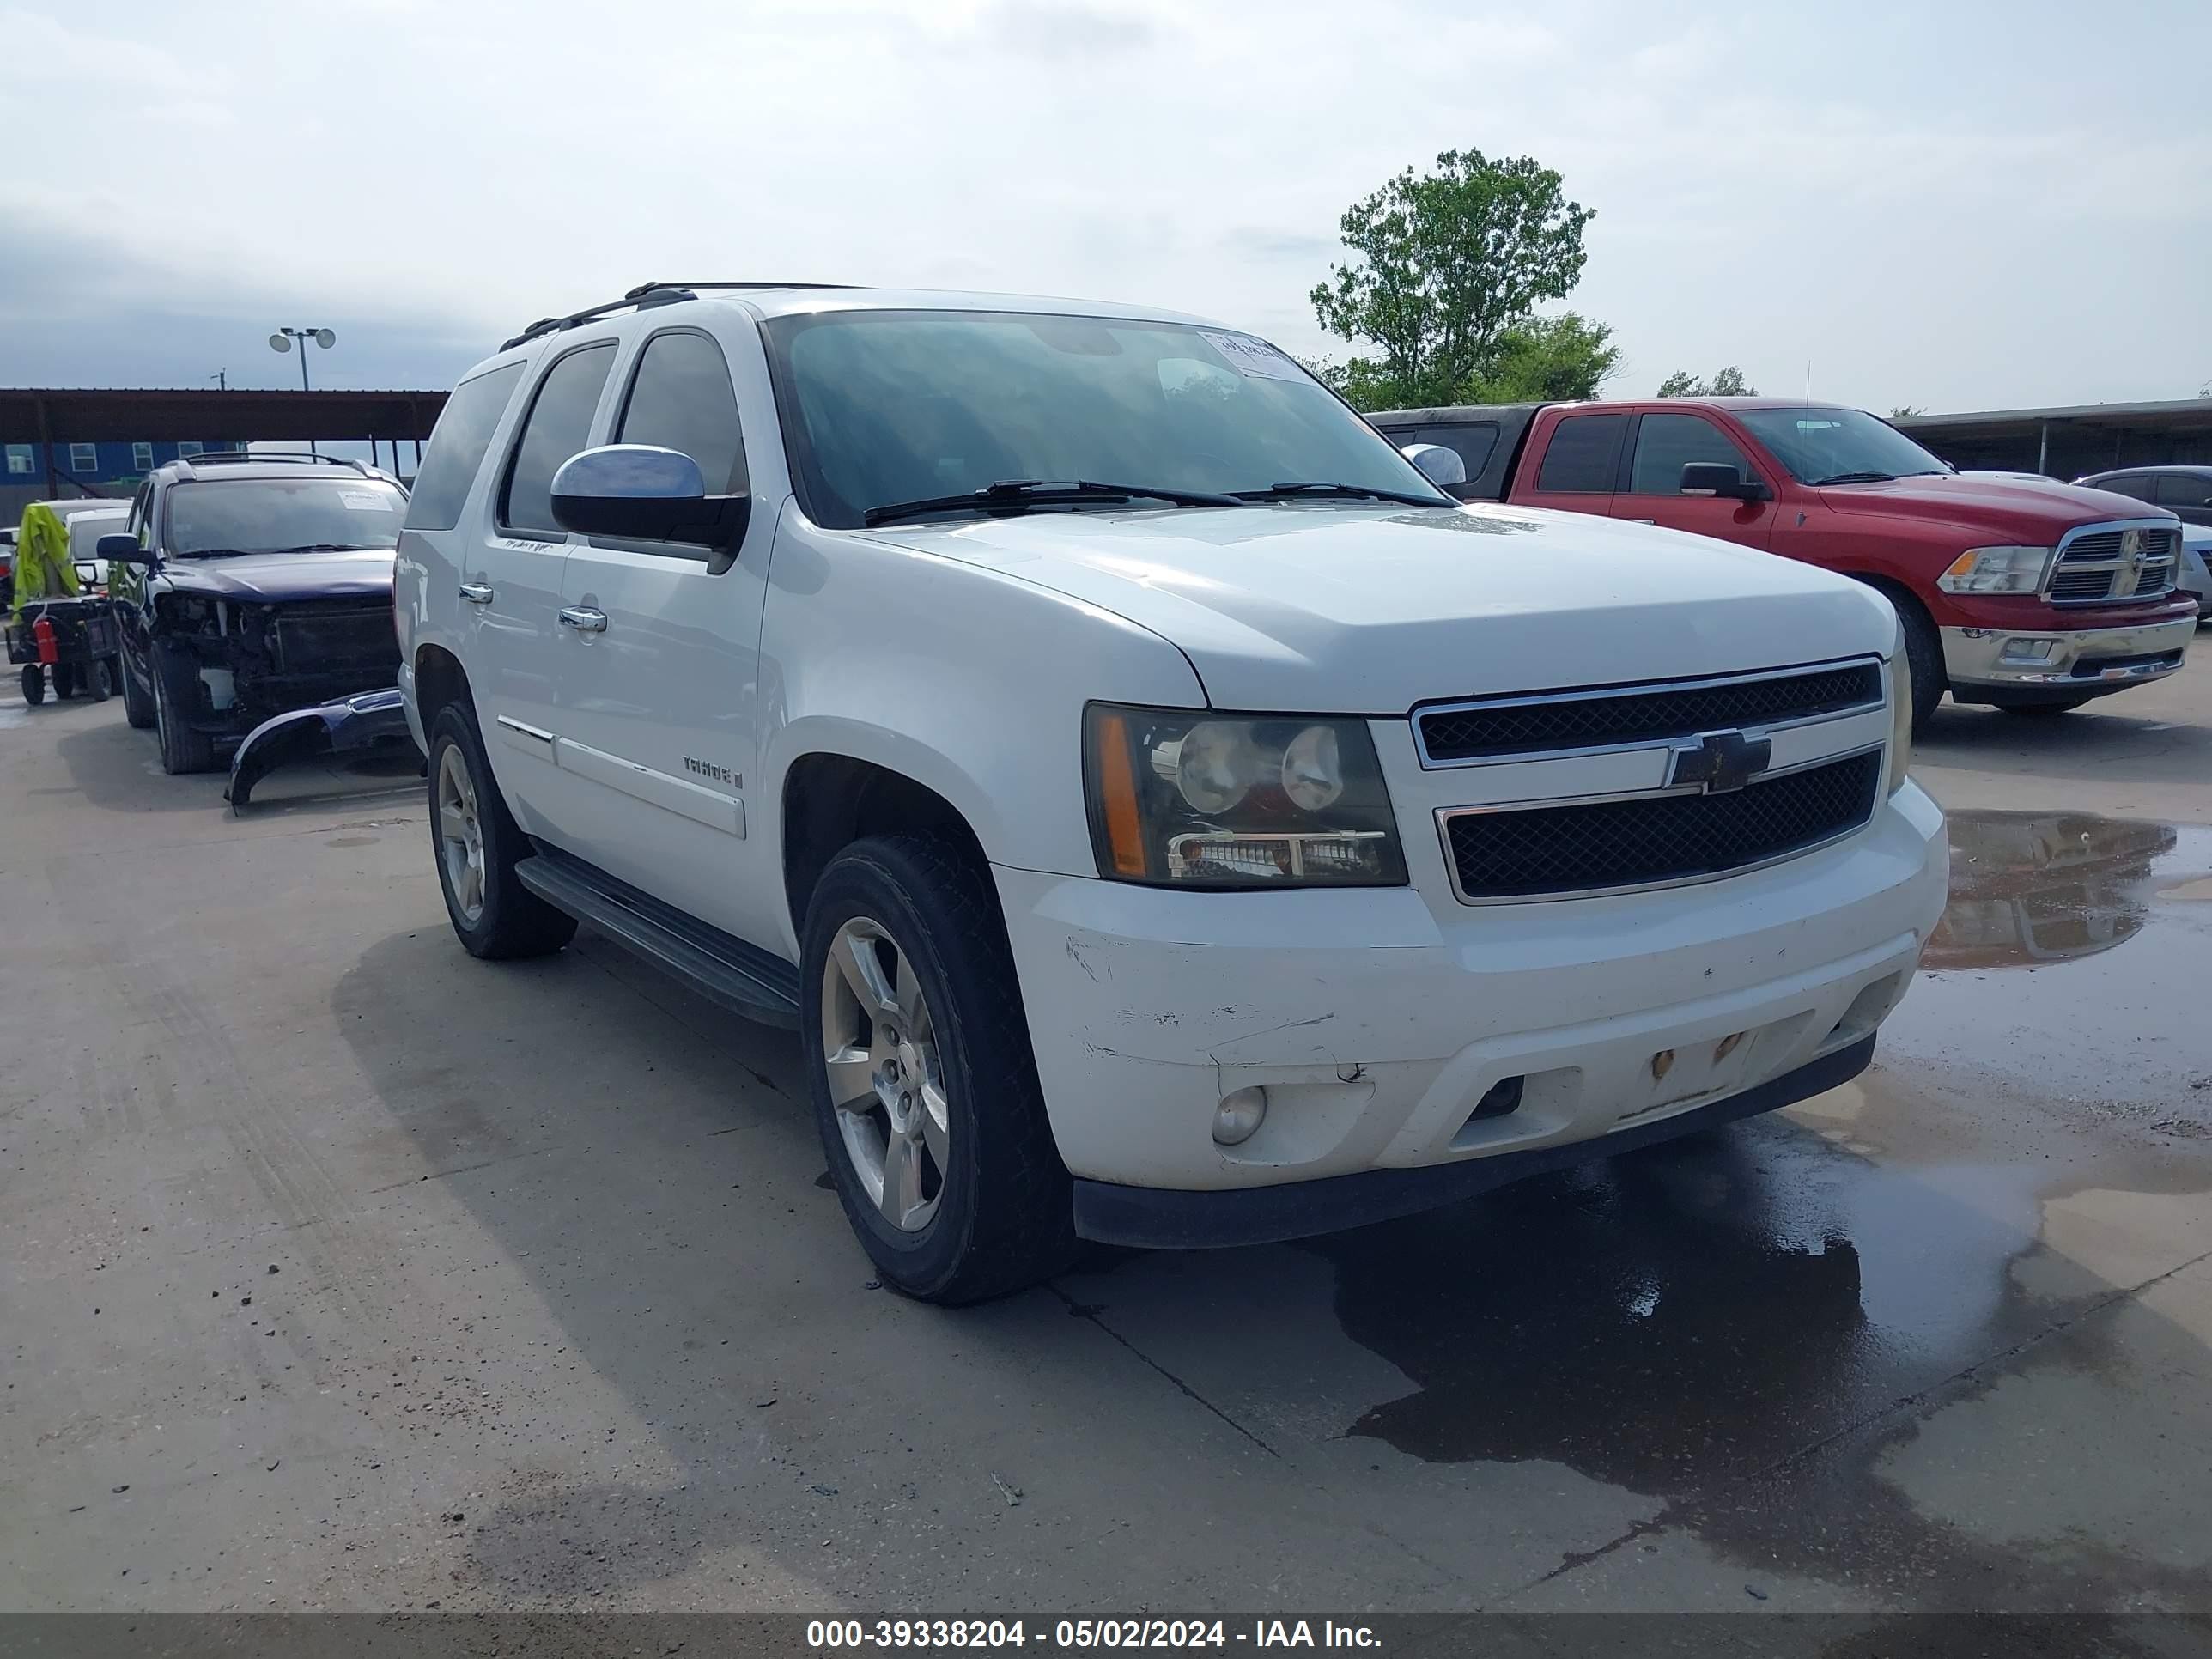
pixel 2031 888
pixel 2070 962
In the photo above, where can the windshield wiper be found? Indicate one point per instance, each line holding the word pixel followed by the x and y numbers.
pixel 1856 477
pixel 1019 494
pixel 327 547
pixel 1284 492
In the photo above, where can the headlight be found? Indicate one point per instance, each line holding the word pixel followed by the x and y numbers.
pixel 1901 714
pixel 1186 799
pixel 1996 571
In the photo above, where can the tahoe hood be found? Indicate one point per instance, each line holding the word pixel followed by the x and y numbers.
pixel 1332 609
pixel 275 578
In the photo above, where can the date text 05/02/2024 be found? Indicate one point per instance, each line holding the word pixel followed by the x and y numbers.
pixel 834 1633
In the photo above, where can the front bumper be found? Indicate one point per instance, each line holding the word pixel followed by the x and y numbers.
pixel 1376 1020
pixel 344 726
pixel 2074 661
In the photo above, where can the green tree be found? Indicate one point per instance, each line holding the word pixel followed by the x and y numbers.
pixel 1905 412
pixel 1547 360
pixel 1728 383
pixel 1443 264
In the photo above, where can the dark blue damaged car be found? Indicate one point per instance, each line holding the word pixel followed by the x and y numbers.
pixel 253 595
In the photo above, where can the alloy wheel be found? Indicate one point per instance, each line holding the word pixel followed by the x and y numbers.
pixel 460 833
pixel 886 1079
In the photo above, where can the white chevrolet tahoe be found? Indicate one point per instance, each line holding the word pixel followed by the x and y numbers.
pixel 1168 818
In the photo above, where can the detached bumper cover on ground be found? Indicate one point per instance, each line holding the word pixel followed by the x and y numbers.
pixel 348 724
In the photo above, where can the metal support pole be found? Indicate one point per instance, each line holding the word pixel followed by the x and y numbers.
pixel 2042 446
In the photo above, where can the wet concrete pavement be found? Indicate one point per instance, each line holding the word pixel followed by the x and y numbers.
pixel 343 1272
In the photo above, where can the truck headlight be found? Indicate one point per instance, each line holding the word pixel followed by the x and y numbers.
pixel 1901 715
pixel 1186 799
pixel 1996 571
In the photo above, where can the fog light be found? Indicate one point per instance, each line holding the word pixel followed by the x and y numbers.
pixel 1237 1118
pixel 2029 650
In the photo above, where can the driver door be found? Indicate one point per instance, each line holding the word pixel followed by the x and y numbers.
pixel 1665 442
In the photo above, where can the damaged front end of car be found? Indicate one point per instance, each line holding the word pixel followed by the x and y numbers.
pixel 290 679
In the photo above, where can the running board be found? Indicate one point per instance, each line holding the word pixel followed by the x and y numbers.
pixel 741 977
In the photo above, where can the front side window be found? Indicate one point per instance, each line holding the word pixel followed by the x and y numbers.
pixel 885 407
pixel 1838 445
pixel 84 457
pixel 210 518
pixel 2136 486
pixel 2180 489
pixel 560 421
pixel 1583 454
pixel 457 445
pixel 680 398
pixel 1665 444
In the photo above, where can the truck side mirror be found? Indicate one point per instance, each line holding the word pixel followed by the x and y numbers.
pixel 1721 478
pixel 120 549
pixel 640 492
pixel 1440 466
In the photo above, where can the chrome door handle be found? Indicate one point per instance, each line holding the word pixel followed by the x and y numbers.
pixel 583 619
pixel 477 592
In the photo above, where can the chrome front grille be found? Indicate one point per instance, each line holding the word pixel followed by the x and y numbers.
pixel 1614 789
pixel 1516 728
pixel 2117 561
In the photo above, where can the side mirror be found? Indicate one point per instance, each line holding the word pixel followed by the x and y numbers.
pixel 1440 466
pixel 1720 478
pixel 639 492
pixel 119 549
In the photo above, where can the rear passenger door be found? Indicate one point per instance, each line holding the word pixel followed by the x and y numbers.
pixel 516 654
pixel 1578 463
pixel 1663 444
pixel 660 682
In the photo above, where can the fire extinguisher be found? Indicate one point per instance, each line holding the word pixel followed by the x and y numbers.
pixel 42 634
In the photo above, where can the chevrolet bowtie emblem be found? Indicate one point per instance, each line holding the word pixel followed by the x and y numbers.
pixel 1719 761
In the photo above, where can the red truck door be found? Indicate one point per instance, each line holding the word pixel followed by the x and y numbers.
pixel 1663 444
pixel 1577 461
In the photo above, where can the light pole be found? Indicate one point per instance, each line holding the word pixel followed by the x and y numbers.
pixel 281 341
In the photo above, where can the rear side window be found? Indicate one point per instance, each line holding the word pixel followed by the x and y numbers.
pixel 1665 444
pixel 1583 454
pixel 680 398
pixel 2137 487
pixel 560 421
pixel 2183 489
pixel 457 448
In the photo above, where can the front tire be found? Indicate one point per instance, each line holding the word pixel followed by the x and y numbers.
pixel 476 844
pixel 183 750
pixel 924 1082
pixel 1923 650
pixel 137 705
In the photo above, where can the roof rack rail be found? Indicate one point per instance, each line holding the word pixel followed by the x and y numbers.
pixel 643 297
pixel 240 457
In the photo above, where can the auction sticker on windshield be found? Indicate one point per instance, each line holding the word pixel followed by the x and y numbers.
pixel 1253 357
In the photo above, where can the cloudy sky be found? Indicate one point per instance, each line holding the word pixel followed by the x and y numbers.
pixel 1948 203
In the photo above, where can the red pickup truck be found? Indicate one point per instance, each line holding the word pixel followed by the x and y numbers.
pixel 2031 597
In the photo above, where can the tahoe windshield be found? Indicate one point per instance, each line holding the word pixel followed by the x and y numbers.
pixel 281 515
pixel 1838 445
pixel 904 408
